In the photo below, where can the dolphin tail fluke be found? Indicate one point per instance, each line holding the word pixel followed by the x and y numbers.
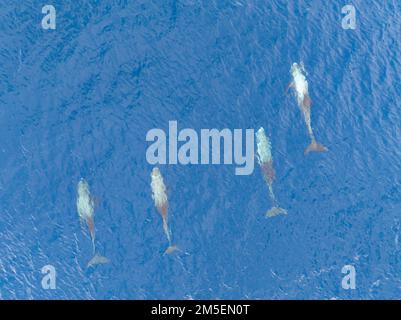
pixel 97 259
pixel 171 249
pixel 315 147
pixel 275 211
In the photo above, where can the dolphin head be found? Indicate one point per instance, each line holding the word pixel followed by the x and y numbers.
pixel 294 68
pixel 83 187
pixel 155 172
pixel 263 147
pixel 84 201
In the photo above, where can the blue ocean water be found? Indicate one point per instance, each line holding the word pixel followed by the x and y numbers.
pixel 78 101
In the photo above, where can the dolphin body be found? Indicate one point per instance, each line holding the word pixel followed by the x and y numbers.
pixel 300 85
pixel 86 211
pixel 159 196
pixel 265 160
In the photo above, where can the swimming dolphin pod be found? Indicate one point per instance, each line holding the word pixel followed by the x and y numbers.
pixel 85 208
pixel 159 196
pixel 265 160
pixel 85 203
pixel 300 85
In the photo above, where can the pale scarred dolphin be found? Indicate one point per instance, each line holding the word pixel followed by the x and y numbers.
pixel 265 160
pixel 300 85
pixel 86 211
pixel 159 196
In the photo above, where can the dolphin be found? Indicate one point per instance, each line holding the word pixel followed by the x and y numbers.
pixel 265 160
pixel 300 85
pixel 86 211
pixel 159 196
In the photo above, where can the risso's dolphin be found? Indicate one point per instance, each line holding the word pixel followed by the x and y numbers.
pixel 265 160
pixel 159 196
pixel 300 85
pixel 86 211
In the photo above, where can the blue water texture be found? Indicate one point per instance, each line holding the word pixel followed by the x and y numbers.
pixel 78 101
